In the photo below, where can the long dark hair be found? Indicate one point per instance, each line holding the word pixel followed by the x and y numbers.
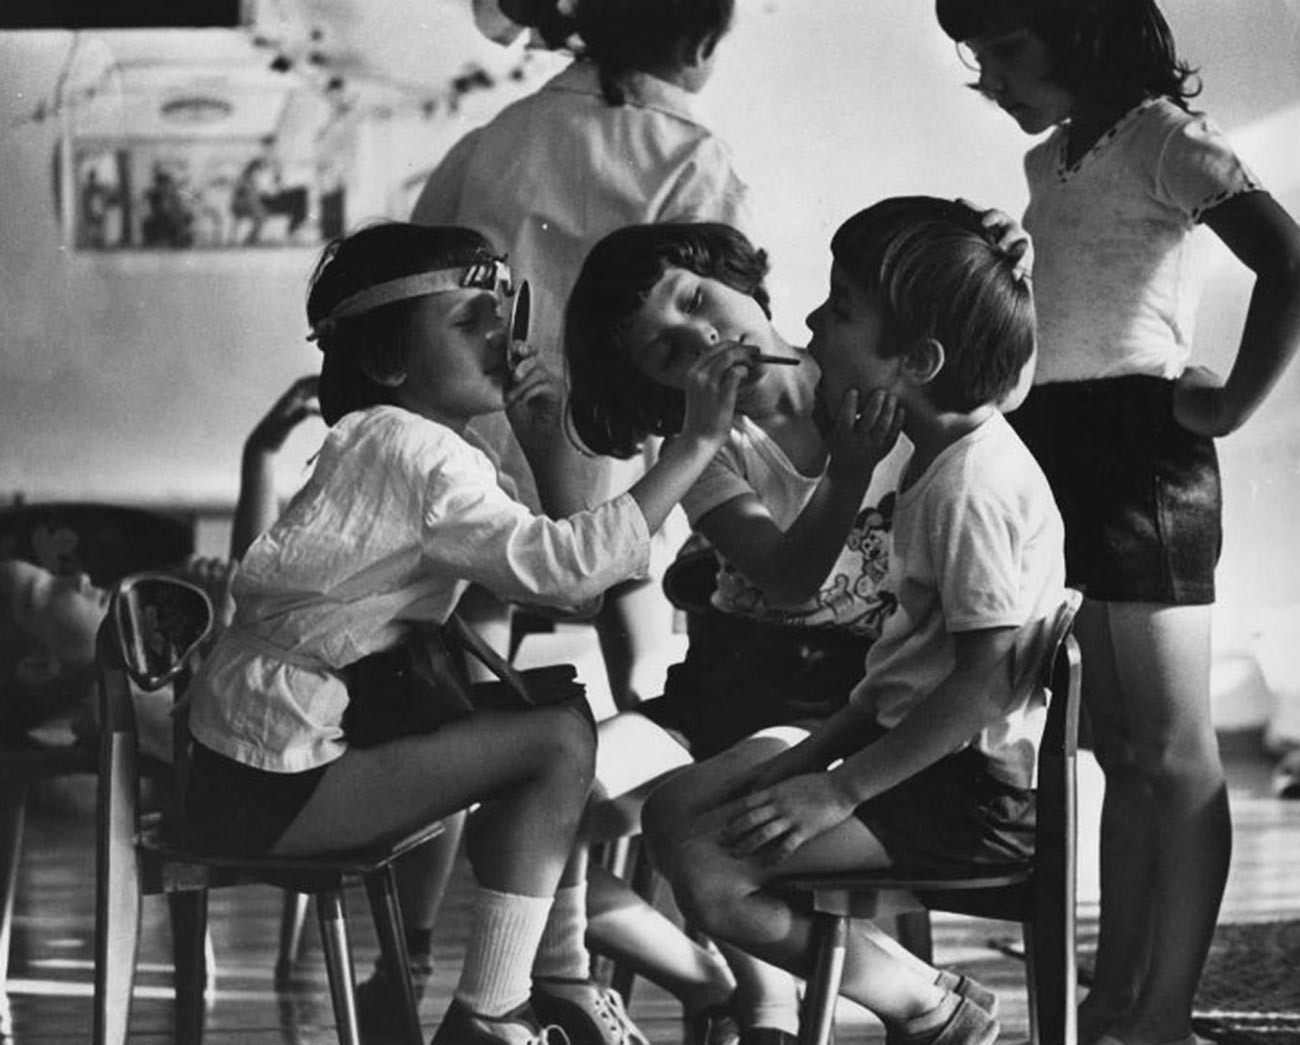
pixel 613 406
pixel 1108 51
pixel 375 254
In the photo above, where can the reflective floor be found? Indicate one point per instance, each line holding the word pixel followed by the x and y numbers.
pixel 50 971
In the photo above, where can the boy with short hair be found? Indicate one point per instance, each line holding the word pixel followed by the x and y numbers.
pixel 937 749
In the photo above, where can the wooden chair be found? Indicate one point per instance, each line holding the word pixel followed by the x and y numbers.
pixel 105 542
pixel 1039 893
pixel 154 629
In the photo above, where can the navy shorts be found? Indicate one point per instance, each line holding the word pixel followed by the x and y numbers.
pixel 1139 494
pixel 952 814
pixel 740 676
pixel 234 808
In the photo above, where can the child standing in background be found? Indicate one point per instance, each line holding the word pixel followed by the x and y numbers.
pixel 399 515
pixel 617 138
pixel 1124 429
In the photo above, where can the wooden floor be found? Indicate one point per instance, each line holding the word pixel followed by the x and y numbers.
pixel 50 973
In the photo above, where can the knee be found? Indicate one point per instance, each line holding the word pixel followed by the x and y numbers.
pixel 664 812
pixel 565 744
pixel 708 897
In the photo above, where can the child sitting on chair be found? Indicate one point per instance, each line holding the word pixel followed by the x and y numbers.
pixel 400 515
pixel 937 753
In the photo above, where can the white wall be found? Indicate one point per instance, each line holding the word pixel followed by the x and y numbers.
pixel 135 378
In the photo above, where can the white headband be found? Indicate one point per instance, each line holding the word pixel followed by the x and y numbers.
pixel 493 275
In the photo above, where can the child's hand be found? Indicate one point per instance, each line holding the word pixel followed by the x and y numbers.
pixel 1008 235
pixel 861 436
pixel 292 408
pixel 775 822
pixel 1201 405
pixel 712 382
pixel 534 395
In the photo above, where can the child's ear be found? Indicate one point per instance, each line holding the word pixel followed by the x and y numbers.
pixel 923 361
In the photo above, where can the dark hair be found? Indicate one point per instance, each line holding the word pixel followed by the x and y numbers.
pixel 375 254
pixel 613 406
pixel 937 275
pixel 1103 50
pixel 625 36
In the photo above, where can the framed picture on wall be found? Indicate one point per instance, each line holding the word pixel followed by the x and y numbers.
pixel 198 159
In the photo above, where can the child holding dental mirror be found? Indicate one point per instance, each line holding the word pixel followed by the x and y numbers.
pixel 400 514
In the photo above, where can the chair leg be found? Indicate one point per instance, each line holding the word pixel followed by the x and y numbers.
pixel 13 808
pixel 912 929
pixel 338 963
pixel 381 888
pixel 293 919
pixel 117 933
pixel 189 915
pixel 817 1021
pixel 1051 979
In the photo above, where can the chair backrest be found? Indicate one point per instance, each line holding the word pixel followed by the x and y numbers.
pixel 105 541
pixel 154 630
pixel 1057 828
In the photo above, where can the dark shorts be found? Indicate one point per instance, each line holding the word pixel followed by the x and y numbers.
pixel 1139 493
pixel 740 676
pixel 952 814
pixel 234 808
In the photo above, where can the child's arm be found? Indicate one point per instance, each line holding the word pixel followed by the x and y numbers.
pixel 789 565
pixel 535 409
pixel 780 819
pixel 1265 238
pixel 258 506
pixel 711 386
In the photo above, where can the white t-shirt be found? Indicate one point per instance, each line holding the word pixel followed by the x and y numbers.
pixel 853 597
pixel 1116 269
pixel 556 171
pixel 399 515
pixel 978 543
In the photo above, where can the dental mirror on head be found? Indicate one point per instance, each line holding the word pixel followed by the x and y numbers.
pixel 520 314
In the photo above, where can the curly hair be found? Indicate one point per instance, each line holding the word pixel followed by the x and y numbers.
pixel 1108 51
pixel 614 408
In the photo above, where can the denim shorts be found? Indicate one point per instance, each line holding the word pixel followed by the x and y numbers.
pixel 1140 495
pixel 952 814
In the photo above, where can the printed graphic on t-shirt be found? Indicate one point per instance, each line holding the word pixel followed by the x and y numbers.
pixel 853 596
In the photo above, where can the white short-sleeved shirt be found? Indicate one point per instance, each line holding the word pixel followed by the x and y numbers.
pixel 1116 269
pixel 854 596
pixel 399 515
pixel 555 171
pixel 978 543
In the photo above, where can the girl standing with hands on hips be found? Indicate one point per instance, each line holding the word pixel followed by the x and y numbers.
pixel 400 514
pixel 1123 427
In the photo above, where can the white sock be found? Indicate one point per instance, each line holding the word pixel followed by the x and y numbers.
pixel 562 954
pixel 779 1015
pixel 504 931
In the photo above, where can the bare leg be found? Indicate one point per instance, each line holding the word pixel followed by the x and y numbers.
pixel 531 771
pixel 726 896
pixel 1166 829
pixel 633 620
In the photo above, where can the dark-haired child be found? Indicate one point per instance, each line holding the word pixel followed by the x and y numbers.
pixel 1124 429
pixel 937 750
pixel 399 515
pixel 797 508
pixel 616 138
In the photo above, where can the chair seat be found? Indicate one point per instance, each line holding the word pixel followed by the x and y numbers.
pixel 1001 895
pixel 178 865
pixel 27 760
